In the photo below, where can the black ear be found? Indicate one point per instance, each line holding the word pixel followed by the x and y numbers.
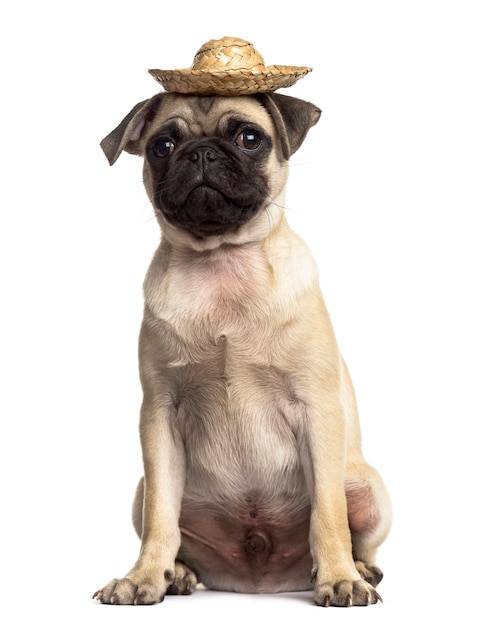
pixel 126 136
pixel 293 118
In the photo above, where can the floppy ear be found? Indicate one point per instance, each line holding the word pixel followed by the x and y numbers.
pixel 293 118
pixel 126 136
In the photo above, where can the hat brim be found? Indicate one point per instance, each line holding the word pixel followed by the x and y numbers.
pixel 229 83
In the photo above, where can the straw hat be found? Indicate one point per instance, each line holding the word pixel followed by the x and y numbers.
pixel 228 67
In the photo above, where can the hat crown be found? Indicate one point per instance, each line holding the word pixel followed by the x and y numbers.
pixel 228 53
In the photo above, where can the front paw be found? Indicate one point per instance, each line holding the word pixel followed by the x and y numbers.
pixel 125 591
pixel 345 593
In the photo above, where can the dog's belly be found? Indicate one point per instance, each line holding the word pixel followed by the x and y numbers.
pixel 246 508
pixel 247 548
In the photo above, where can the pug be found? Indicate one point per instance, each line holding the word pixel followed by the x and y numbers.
pixel 254 479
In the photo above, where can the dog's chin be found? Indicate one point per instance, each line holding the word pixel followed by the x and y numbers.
pixel 208 212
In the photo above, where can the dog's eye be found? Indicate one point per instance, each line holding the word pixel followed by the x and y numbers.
pixel 248 139
pixel 163 147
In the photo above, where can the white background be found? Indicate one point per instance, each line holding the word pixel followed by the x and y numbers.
pixel 388 189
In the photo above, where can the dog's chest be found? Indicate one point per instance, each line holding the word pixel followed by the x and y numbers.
pixel 207 296
pixel 222 288
pixel 238 424
pixel 225 349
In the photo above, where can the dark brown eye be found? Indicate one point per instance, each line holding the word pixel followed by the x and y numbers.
pixel 248 139
pixel 163 147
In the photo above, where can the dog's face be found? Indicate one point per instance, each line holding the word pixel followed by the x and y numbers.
pixel 213 165
pixel 210 163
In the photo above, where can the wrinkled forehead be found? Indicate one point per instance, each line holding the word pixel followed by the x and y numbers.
pixel 206 115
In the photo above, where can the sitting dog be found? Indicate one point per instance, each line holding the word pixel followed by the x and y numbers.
pixel 254 479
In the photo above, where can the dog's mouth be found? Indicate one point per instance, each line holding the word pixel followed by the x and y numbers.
pixel 207 211
pixel 206 195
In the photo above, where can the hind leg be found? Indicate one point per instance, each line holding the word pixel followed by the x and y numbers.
pixel 369 517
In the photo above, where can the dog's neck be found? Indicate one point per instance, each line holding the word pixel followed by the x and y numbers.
pixel 220 281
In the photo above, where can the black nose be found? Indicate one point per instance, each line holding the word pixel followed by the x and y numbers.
pixel 203 154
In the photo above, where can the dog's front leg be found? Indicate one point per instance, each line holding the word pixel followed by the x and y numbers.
pixel 335 577
pixel 164 475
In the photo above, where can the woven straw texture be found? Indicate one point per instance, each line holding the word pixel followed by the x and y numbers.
pixel 228 66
